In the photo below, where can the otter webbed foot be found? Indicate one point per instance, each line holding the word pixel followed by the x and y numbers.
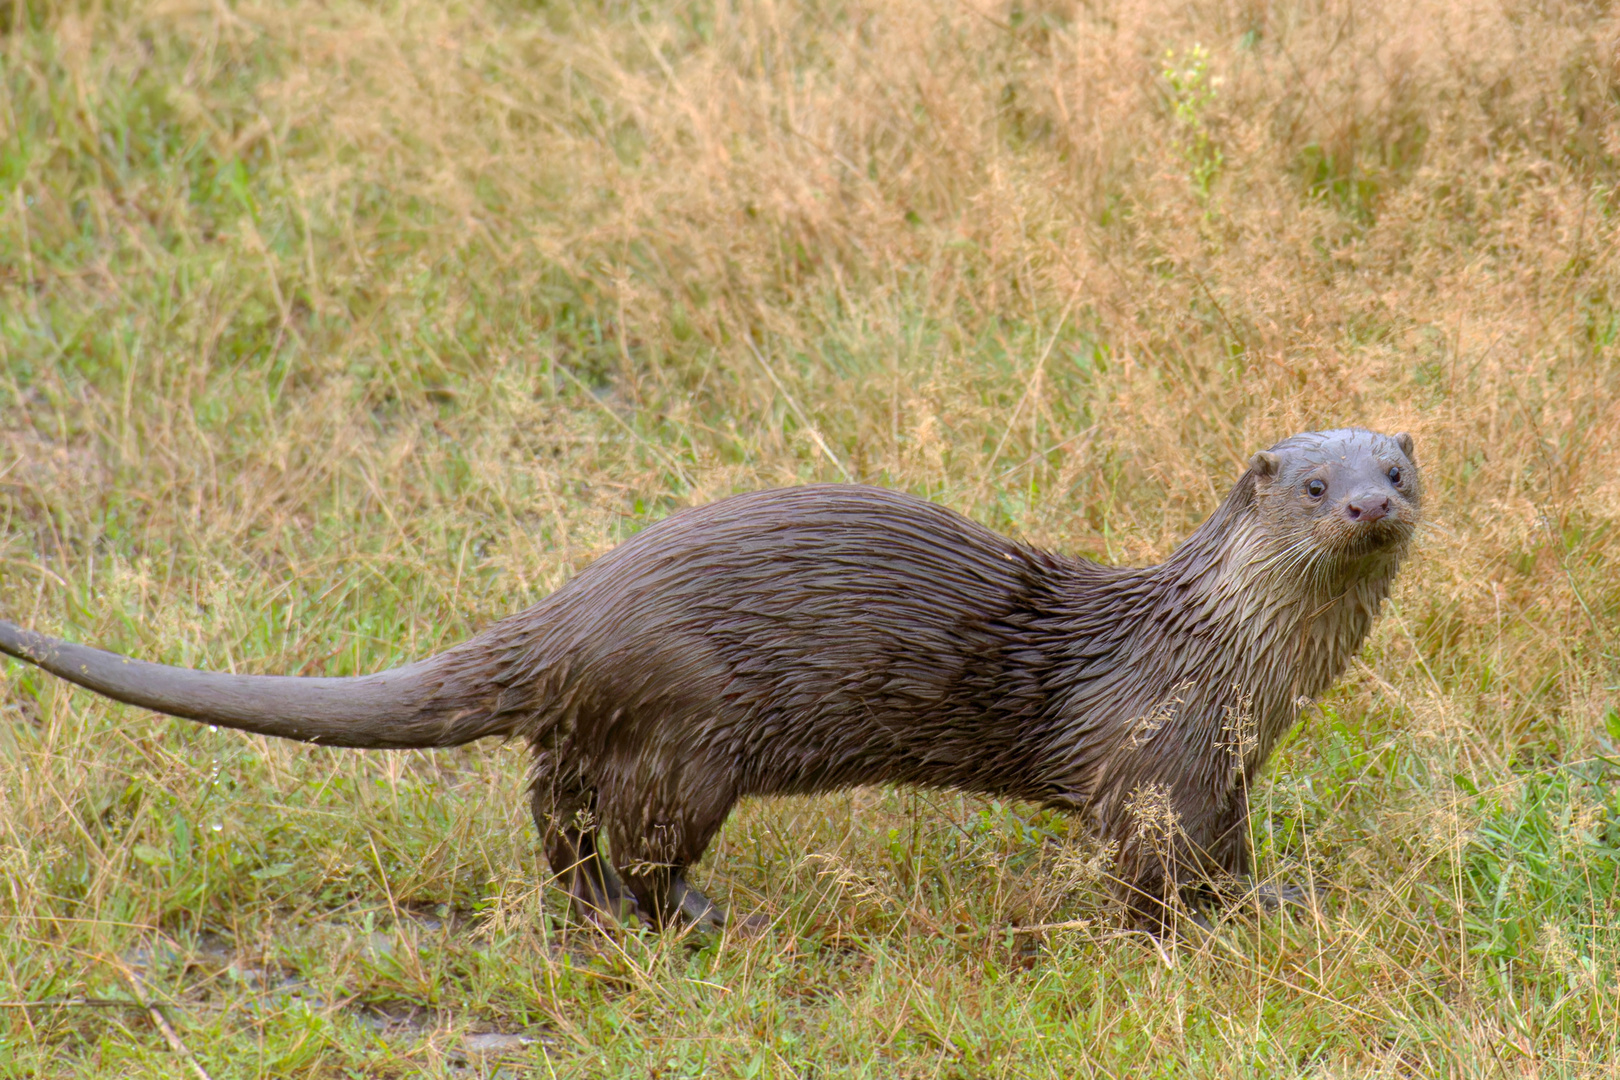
pixel 596 894
pixel 599 895
pixel 1270 896
pixel 690 907
pixel 1276 897
pixel 674 903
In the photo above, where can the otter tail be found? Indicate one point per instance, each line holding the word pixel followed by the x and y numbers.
pixel 440 701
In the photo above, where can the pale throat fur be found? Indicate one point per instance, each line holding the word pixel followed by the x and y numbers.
pixel 1254 616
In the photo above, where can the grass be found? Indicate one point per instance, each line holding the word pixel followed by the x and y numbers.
pixel 330 332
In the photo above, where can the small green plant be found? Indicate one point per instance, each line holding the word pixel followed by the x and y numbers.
pixel 1192 91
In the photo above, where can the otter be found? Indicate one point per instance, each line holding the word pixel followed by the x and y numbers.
pixel 813 638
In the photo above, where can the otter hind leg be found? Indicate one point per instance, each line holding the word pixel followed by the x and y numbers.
pixel 596 895
pixel 673 901
pixel 594 889
pixel 657 850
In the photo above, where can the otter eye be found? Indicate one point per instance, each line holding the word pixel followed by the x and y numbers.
pixel 1395 476
pixel 1316 487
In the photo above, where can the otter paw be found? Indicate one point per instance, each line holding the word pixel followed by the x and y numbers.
pixel 691 908
pixel 1275 897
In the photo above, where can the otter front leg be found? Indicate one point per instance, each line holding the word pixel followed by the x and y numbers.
pixel 1173 859
pixel 1146 885
pixel 1233 858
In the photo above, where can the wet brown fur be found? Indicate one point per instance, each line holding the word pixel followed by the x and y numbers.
pixel 808 639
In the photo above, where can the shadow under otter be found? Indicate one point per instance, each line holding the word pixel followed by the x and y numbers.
pixel 806 639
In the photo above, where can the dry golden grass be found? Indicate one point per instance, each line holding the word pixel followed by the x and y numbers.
pixel 330 332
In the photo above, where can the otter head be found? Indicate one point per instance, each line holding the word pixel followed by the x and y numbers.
pixel 1342 496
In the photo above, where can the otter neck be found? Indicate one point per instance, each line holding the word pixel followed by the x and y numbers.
pixel 1226 637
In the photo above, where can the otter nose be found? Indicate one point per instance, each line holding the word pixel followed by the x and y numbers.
pixel 1367 507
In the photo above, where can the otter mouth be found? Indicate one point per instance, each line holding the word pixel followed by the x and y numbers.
pixel 1353 538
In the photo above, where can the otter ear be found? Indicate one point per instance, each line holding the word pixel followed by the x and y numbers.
pixel 1404 441
pixel 1265 463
